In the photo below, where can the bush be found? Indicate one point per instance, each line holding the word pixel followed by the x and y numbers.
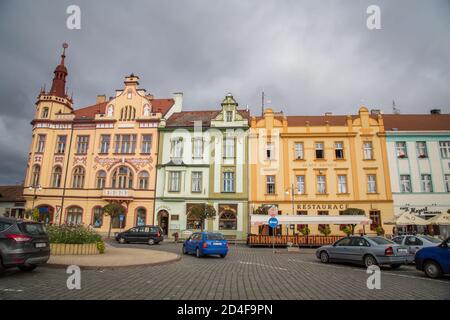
pixel 101 247
pixel 347 230
pixel 379 230
pixel 305 231
pixel 78 234
pixel 325 230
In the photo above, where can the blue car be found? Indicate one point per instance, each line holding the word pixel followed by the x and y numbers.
pixel 434 261
pixel 206 243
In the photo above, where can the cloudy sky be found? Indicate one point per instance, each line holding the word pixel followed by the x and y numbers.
pixel 309 57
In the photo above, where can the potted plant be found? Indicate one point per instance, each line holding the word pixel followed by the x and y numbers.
pixel 379 230
pixel 305 231
pixel 347 230
pixel 325 230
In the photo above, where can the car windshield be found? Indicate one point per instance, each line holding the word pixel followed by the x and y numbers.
pixel 381 240
pixel 431 239
pixel 34 228
pixel 214 236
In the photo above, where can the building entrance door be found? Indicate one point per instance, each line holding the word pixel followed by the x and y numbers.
pixel 163 221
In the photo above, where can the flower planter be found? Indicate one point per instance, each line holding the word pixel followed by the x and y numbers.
pixel 59 249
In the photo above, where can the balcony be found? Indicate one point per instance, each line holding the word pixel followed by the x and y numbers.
pixel 118 193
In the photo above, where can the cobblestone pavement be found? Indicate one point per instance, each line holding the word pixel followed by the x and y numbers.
pixel 246 273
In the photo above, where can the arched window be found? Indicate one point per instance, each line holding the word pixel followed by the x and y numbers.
pixel 141 214
pixel 143 180
pixel 110 111
pixel 98 217
pixel 193 222
pixel 44 112
pixel 101 179
pixel 228 221
pixel 74 215
pixel 118 223
pixel 146 110
pixel 122 178
pixel 78 177
pixel 35 175
pixel 56 176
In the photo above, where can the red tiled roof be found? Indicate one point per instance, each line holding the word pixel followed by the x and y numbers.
pixel 416 122
pixel 11 193
pixel 161 105
pixel 300 121
pixel 187 118
pixel 91 111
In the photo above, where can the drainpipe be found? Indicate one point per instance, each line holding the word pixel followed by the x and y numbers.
pixel 65 175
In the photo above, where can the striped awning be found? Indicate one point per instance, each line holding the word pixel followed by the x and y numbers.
pixel 259 219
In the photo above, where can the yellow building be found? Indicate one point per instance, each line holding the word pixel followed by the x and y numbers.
pixel 320 165
pixel 82 159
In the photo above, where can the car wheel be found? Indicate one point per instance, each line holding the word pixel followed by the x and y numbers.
pixel 27 268
pixel 369 260
pixel 198 253
pixel 223 255
pixel 184 250
pixel 2 268
pixel 432 269
pixel 395 266
pixel 324 257
pixel 122 240
pixel 151 241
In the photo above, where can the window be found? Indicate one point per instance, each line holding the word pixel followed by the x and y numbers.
pixel 74 215
pixel 146 110
pixel 427 185
pixel 444 146
pixel 174 181
pixel 118 223
pixel 105 140
pixel 371 183
pixel 125 143
pixel 100 179
pixel 177 148
pixel 270 151
pixel 143 180
pixel 127 113
pixel 78 177
pixel 375 216
pixel 322 213
pixel 82 144
pixel 61 144
pixel 196 183
pixel 422 149
pixel 146 143
pixel 122 178
pixel 301 213
pixel 447 182
pixel 320 154
pixel 35 175
pixel 339 150
pixel 56 176
pixel 193 222
pixel 228 147
pixel 300 184
pixel 321 184
pixel 98 217
pixel 229 116
pixel 400 149
pixel 405 183
pixel 342 226
pixel 141 215
pixel 342 184
pixel 368 150
pixel 270 184
pixel 45 112
pixel 41 143
pixel 228 182
pixel 197 151
pixel 299 153
pixel 228 221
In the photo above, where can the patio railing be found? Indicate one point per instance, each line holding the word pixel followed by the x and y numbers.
pixel 254 240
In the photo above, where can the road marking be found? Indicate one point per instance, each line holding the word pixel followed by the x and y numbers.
pixel 11 290
pixel 382 272
pixel 262 265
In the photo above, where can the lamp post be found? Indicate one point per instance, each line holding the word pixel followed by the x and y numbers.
pixel 34 188
pixel 291 191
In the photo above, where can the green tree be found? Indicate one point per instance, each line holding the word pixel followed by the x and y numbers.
pixel 113 210
pixel 33 214
pixel 353 212
pixel 203 211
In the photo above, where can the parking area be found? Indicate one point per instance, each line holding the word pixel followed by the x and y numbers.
pixel 246 273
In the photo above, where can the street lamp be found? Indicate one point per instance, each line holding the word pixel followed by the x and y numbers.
pixel 34 188
pixel 291 191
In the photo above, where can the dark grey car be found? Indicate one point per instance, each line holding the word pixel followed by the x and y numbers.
pixel 23 244
pixel 364 250
pixel 415 243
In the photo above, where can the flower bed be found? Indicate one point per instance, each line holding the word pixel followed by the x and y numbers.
pixel 76 240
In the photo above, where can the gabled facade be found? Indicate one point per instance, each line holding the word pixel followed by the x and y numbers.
pixel 81 159
pixel 203 159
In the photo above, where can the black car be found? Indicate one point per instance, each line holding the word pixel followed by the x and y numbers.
pixel 23 244
pixel 143 234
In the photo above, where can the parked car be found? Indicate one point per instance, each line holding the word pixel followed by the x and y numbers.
pixel 364 250
pixel 143 234
pixel 206 243
pixel 434 261
pixel 415 243
pixel 23 244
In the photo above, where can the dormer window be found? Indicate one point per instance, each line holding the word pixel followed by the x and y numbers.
pixel 129 94
pixel 146 110
pixel 44 113
pixel 270 154
pixel 229 116
pixel 110 110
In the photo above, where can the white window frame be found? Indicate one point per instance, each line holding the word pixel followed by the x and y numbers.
pixel 405 183
pixel 368 150
pixel 300 184
pixel 371 183
pixel 174 181
pixel 342 183
pixel 299 151
pixel 196 181
pixel 427 183
pixel 321 184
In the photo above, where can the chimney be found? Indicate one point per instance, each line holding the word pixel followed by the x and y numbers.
pixel 100 98
pixel 435 111
pixel 375 112
pixel 328 114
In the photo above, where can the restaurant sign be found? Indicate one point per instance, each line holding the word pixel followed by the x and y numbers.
pixel 329 206
pixel 420 211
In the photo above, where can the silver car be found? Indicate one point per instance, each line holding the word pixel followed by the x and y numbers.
pixel 415 243
pixel 364 250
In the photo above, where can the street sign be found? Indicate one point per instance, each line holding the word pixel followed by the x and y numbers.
pixel 121 217
pixel 273 211
pixel 273 222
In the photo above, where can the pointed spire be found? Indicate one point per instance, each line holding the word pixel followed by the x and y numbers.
pixel 59 80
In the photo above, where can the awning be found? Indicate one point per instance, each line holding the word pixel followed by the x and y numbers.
pixel 442 219
pixel 408 219
pixel 259 219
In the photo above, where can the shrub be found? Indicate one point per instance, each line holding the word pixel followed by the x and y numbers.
pixel 72 234
pixel 101 247
pixel 347 230
pixel 305 231
pixel 379 230
pixel 325 230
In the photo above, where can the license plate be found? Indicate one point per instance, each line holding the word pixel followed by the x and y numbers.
pixel 403 251
pixel 41 245
pixel 217 243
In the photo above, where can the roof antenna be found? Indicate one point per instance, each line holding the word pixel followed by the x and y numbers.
pixel 395 110
pixel 262 104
